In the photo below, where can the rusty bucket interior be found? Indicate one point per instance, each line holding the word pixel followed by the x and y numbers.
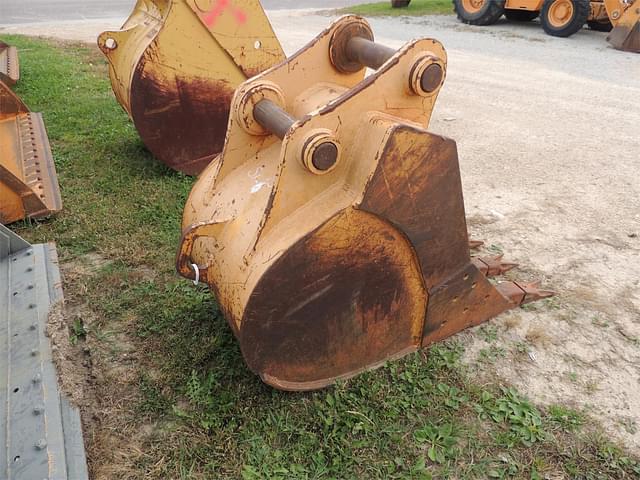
pixel 174 66
pixel 28 179
pixel 332 227
pixel 9 66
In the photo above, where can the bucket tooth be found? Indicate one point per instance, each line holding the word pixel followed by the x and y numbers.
pixel 332 229
pixel 9 66
pixel 522 293
pixel 492 266
pixel 27 173
pixel 174 66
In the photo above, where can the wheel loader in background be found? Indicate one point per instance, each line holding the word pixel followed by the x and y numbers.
pixel 28 179
pixel 332 226
pixel 560 18
pixel 175 65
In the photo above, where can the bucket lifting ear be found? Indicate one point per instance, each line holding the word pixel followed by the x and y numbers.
pixel 332 228
pixel 28 180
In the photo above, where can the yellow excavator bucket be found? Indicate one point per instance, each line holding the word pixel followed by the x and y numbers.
pixel 625 18
pixel 28 180
pixel 9 66
pixel 175 65
pixel 332 227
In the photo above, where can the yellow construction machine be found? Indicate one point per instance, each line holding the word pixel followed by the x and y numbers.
pixel 332 227
pixel 28 180
pixel 560 18
pixel 175 65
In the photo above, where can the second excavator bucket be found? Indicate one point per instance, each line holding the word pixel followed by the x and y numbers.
pixel 625 19
pixel 28 180
pixel 332 227
pixel 175 65
pixel 9 66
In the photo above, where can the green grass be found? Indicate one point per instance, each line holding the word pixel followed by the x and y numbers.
pixel 173 398
pixel 415 8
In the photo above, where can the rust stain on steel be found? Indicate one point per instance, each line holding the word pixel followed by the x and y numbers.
pixel 337 309
pixel 183 123
pixel 417 172
pixel 325 274
pixel 463 300
pixel 492 266
pixel 417 187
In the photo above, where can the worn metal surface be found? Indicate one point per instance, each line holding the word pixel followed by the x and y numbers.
pixel 273 118
pixel 9 65
pixel 625 18
pixel 175 65
pixel 324 274
pixel 40 432
pixel 28 179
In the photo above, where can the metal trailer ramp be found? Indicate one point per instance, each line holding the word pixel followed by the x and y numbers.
pixel 40 432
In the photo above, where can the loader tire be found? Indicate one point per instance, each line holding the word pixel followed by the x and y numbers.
pixel 479 12
pixel 600 26
pixel 563 18
pixel 400 3
pixel 520 15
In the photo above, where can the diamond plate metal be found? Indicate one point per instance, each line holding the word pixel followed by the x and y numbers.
pixel 40 431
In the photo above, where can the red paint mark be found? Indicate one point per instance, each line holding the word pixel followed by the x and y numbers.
pixel 219 8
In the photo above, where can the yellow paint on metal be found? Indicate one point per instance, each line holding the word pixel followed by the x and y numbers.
pixel 259 198
pixel 174 58
pixel 332 228
pixel 321 269
pixel 28 180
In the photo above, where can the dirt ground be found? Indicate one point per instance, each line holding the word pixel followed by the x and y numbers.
pixel 547 131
